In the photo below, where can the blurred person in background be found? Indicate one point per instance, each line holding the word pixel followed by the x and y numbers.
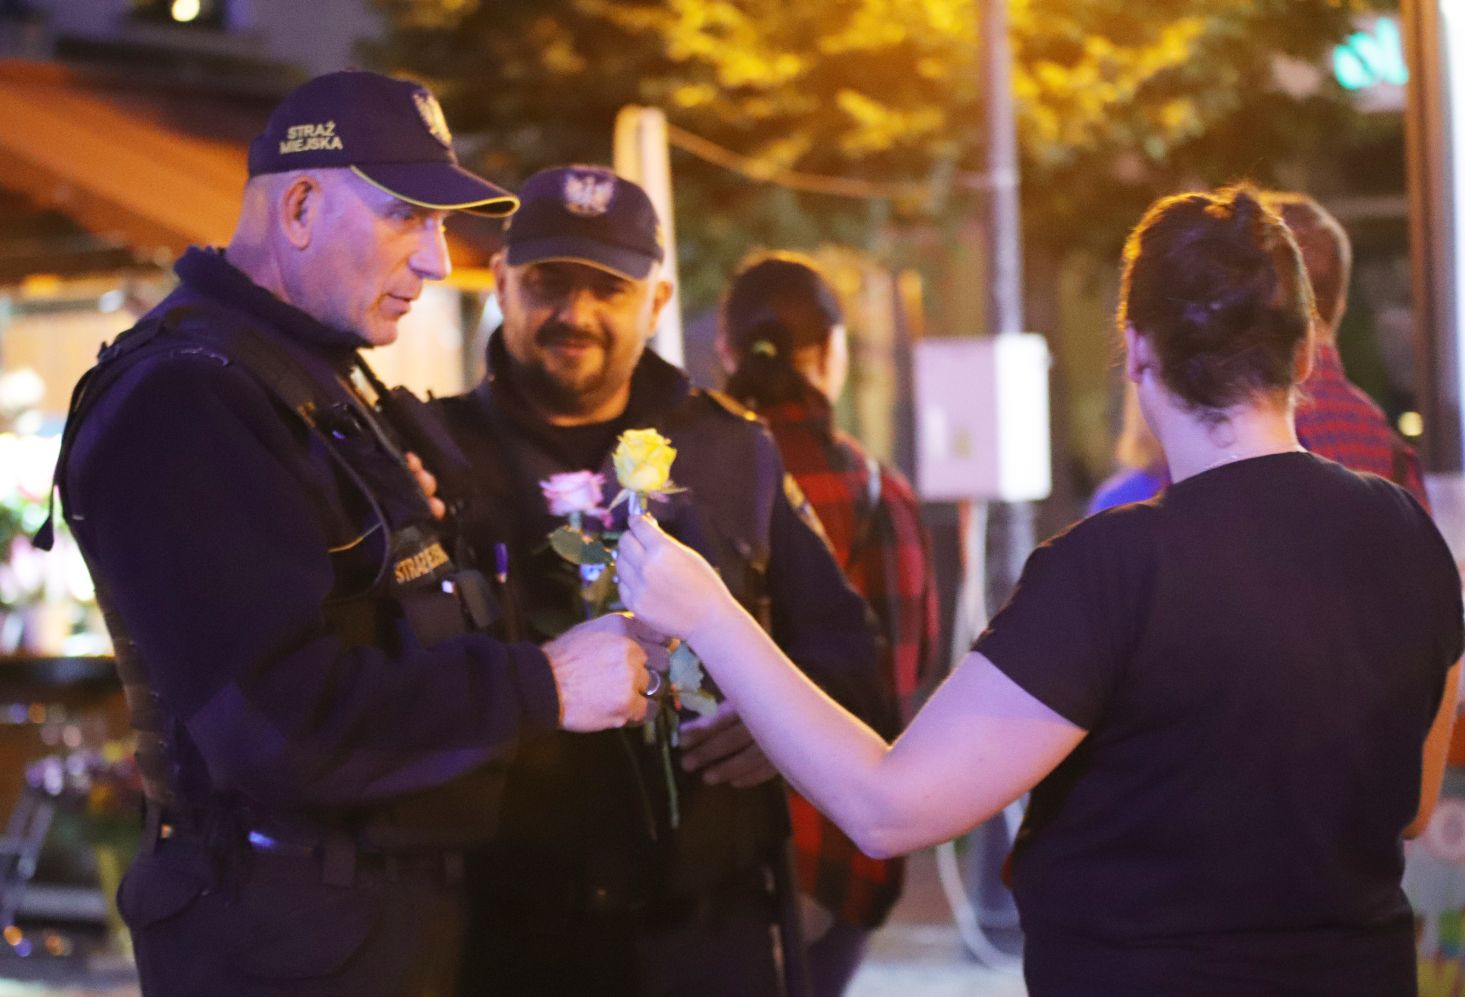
pixel 1231 703
pixel 1335 418
pixel 1141 472
pixel 782 337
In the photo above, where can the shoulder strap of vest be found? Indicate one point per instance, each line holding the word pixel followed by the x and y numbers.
pixel 744 514
pixel 793 493
pixel 89 388
pixel 284 379
pixel 728 403
pixel 270 367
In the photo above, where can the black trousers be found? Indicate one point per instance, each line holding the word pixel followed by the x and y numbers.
pixel 268 927
pixel 723 944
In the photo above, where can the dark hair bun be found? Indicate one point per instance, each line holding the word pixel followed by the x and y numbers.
pixel 1215 283
pixel 1247 213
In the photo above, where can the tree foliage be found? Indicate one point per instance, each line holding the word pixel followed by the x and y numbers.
pixel 1117 100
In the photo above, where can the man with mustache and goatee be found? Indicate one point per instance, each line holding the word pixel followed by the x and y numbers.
pixel 602 878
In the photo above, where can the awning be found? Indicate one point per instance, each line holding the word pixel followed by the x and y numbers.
pixel 145 168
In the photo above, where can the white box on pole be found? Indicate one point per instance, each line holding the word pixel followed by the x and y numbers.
pixel 982 427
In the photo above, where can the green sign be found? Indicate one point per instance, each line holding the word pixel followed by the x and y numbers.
pixel 1371 57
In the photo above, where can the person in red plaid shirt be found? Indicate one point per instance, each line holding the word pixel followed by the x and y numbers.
pixel 782 335
pixel 1335 419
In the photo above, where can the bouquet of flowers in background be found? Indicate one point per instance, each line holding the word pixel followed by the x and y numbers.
pixel 96 789
pixel 44 598
pixel 642 459
pixel 99 781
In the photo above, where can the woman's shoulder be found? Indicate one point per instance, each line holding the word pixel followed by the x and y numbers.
pixel 1333 486
pixel 1119 534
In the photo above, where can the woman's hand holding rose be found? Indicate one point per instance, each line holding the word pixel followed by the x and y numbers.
pixel 667 584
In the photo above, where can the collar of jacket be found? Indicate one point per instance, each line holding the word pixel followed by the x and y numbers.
pixel 1326 360
pixel 209 273
pixel 656 388
pixel 811 409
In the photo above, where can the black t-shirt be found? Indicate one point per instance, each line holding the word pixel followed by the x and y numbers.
pixel 1257 656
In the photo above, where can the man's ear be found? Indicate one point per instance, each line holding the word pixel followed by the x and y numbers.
pixel 499 264
pixel 726 358
pixel 300 209
pixel 1137 355
pixel 659 297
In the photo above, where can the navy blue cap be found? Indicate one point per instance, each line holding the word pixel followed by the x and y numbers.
pixel 389 132
pixel 585 214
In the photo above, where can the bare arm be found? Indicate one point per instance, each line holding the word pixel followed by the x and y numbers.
pixel 1436 747
pixel 977 745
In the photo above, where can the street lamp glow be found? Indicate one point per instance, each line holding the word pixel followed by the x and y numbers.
pixel 184 11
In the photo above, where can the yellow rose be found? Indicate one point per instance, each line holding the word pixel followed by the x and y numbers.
pixel 643 461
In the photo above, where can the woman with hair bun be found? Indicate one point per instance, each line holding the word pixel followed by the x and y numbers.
pixel 781 334
pixel 1231 703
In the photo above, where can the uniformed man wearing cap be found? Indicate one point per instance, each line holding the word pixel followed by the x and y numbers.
pixel 590 886
pixel 321 722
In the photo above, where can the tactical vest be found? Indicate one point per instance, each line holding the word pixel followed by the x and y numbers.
pixel 404 588
pixel 734 478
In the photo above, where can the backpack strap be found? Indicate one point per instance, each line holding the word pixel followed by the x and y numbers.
pixel 869 514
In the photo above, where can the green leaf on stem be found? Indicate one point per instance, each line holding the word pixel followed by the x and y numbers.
pixel 685 677
pixel 569 544
pixel 700 702
pixel 597 552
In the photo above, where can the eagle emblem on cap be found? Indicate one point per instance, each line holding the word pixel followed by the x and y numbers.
pixel 589 194
pixel 431 113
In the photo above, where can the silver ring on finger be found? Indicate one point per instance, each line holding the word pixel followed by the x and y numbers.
pixel 654 686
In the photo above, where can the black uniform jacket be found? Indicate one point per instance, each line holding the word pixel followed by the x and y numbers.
pixel 585 822
pixel 225 537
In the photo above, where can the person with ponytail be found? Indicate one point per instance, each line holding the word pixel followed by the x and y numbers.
pixel 1230 703
pixel 781 333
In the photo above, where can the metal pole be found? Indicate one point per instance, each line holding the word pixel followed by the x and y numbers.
pixel 987 920
pixel 1434 34
pixel 5 316
pixel 1431 212
pixel 1004 228
pixel 1012 523
pixel 643 155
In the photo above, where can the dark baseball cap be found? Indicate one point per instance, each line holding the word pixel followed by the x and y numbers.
pixel 389 132
pixel 585 214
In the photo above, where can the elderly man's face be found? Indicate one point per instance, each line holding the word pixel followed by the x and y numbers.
pixel 576 332
pixel 368 258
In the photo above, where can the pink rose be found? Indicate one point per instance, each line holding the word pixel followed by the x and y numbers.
pixel 570 492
